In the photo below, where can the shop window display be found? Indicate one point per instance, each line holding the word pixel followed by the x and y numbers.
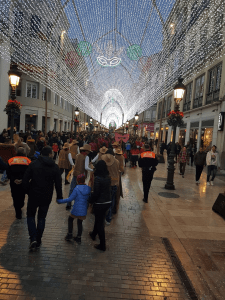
pixel 206 138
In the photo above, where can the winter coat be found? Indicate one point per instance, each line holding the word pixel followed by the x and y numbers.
pixel 148 162
pixel 183 157
pixel 80 194
pixel 44 174
pixel 102 190
pixel 200 158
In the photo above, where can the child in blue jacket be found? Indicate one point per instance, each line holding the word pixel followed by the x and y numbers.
pixel 81 195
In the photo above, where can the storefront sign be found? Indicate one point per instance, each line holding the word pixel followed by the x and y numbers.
pixel 147 126
pixel 221 121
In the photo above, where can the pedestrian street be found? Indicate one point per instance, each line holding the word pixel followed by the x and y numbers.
pixel 136 264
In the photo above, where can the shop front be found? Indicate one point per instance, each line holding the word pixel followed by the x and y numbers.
pixel 207 134
pixel 194 133
pixel 30 122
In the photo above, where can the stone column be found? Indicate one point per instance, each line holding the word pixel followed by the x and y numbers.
pixel 177 135
pixel 215 130
pixel 39 119
pixel 22 119
pixel 187 136
pixel 199 134
pixel 169 135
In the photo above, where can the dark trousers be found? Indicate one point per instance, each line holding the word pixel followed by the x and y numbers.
pixel 36 232
pixel 182 168
pixel 99 227
pixel 147 180
pixel 55 155
pixel 18 196
pixel 79 226
pixel 199 170
pixel 66 173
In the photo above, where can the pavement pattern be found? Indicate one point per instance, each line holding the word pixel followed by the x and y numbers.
pixel 136 264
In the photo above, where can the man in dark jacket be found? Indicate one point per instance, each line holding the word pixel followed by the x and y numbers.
pixel 3 167
pixel 38 181
pixel 17 166
pixel 200 162
pixel 148 163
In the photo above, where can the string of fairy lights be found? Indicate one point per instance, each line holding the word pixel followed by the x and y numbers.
pixel 111 58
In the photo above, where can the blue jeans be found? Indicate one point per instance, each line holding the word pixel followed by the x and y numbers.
pixel 211 171
pixel 113 198
pixel 4 176
pixel 36 232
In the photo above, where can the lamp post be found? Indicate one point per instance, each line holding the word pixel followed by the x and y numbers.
pixel 127 126
pixel 136 117
pixel 14 80
pixel 76 121
pixel 179 90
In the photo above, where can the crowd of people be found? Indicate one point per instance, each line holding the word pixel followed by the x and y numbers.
pixel 93 164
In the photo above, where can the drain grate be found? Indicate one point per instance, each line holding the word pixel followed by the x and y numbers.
pixel 180 270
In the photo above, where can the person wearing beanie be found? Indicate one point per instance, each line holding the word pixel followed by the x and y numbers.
pixel 80 195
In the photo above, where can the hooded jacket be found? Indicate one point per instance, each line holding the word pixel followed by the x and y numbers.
pixel 81 195
pixel 39 180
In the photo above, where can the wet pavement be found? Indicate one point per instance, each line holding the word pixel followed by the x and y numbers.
pixel 136 264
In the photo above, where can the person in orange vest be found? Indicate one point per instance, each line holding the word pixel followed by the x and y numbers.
pixel 148 163
pixel 16 169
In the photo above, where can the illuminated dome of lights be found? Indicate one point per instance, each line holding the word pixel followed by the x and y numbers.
pixel 110 58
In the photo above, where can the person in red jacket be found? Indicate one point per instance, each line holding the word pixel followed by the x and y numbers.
pixel 55 149
pixel 134 156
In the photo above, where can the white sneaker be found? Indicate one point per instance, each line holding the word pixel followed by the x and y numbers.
pixel 208 183
pixel 211 183
pixel 107 223
pixel 198 181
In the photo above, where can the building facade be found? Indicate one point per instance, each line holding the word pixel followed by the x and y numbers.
pixel 204 76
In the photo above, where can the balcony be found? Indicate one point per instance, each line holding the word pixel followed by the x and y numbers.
pixel 198 102
pixel 212 97
pixel 187 106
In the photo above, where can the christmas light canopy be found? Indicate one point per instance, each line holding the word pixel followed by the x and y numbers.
pixel 89 52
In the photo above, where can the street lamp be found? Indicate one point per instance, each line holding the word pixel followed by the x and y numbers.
pixel 127 126
pixel 14 80
pixel 136 117
pixel 91 120
pixel 179 90
pixel 76 121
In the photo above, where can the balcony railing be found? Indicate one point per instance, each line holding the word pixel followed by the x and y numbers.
pixel 198 102
pixel 187 106
pixel 212 97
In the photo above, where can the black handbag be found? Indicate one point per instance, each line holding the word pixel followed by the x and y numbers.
pixel 219 205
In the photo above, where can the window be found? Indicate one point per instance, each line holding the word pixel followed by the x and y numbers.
pixel 56 99
pixel 187 99
pixel 31 90
pixel 199 89
pixel 18 23
pixel 214 84
pixel 203 34
pixel 49 29
pixel 35 25
pixel 43 93
pixel 168 104
pixel 60 101
pixel 199 86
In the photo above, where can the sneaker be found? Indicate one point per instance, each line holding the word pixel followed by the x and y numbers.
pixel 208 183
pixel 183 176
pixel 99 247
pixel 145 201
pixel 107 223
pixel 92 236
pixel 33 245
pixel 211 183
pixel 77 239
pixel 68 237
pixel 197 182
